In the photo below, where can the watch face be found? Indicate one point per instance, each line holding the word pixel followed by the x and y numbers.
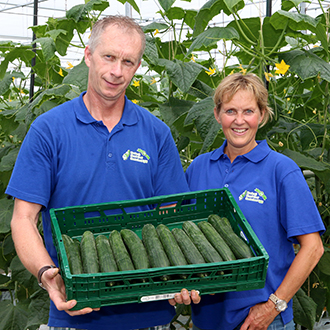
pixel 281 305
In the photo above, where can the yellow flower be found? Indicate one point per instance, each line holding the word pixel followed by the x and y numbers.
pixel 13 78
pixel 280 144
pixel 282 67
pixel 22 92
pixel 288 99
pixel 61 72
pixel 232 72
pixel 136 83
pixel 193 58
pixel 135 101
pixel 210 71
pixel 242 69
pixel 153 81
pixel 314 111
pixel 268 75
pixel 156 32
pixel 70 66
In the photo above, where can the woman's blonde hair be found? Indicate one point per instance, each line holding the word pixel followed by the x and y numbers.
pixel 230 85
pixel 124 22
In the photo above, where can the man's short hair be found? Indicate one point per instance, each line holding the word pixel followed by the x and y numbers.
pixel 124 22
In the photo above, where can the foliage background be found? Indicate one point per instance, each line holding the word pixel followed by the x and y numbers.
pixel 289 50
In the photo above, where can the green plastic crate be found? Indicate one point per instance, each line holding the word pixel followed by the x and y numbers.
pixel 93 290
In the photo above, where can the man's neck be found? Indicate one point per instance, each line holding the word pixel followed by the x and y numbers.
pixel 107 111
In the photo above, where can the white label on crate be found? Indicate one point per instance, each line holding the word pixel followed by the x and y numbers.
pixel 160 296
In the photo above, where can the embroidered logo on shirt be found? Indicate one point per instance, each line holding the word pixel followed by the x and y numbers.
pixel 254 196
pixel 137 156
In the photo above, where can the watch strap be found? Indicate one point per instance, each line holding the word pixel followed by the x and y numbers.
pixel 40 273
pixel 273 298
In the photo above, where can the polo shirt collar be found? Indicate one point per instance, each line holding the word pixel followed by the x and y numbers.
pixel 129 117
pixel 255 155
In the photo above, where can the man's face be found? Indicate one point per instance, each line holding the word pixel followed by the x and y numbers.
pixel 113 63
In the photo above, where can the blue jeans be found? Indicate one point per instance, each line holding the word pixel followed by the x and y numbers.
pixel 277 324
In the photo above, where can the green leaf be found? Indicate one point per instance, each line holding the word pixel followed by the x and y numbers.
pixel 132 3
pixel 306 64
pixel 200 90
pixel 5 83
pixel 20 273
pixel 6 211
pixel 324 263
pixel 12 317
pixel 305 162
pixel 151 52
pixel 212 36
pixel 7 162
pixel 202 115
pixel 182 74
pixel 175 13
pixel 79 12
pixel 78 76
pixel 296 21
pixel 155 26
pixel 304 309
pixel 213 8
pixel 289 4
pixel 55 33
pixel 49 93
pixel 21 52
pixel 48 47
pixel 173 109
pixel 322 35
pixel 166 4
pixel 38 309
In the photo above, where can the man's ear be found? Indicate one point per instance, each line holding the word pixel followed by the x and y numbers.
pixel 87 54
pixel 217 115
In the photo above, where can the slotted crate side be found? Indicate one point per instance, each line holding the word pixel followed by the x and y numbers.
pixel 93 290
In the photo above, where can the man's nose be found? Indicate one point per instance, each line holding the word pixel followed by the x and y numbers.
pixel 116 69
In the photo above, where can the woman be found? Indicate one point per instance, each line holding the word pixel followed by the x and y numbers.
pixel 274 197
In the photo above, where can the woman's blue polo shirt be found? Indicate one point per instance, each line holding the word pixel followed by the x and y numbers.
pixel 273 195
pixel 69 158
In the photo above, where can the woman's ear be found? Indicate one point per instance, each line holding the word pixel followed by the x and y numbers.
pixel 217 115
pixel 262 115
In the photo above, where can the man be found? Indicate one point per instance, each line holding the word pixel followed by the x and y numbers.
pixel 88 151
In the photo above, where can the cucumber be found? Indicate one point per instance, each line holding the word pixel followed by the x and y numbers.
pixel 155 250
pixel 89 253
pixel 106 258
pixel 73 253
pixel 193 256
pixel 135 248
pixel 171 247
pixel 120 252
pixel 216 240
pixel 208 252
pixel 236 244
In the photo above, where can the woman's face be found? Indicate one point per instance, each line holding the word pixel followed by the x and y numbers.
pixel 239 118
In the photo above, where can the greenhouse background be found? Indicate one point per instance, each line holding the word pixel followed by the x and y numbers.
pixel 16 16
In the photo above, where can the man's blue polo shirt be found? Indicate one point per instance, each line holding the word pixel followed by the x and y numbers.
pixel 274 197
pixel 69 158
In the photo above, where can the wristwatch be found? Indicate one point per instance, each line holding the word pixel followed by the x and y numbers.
pixel 280 305
pixel 40 273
